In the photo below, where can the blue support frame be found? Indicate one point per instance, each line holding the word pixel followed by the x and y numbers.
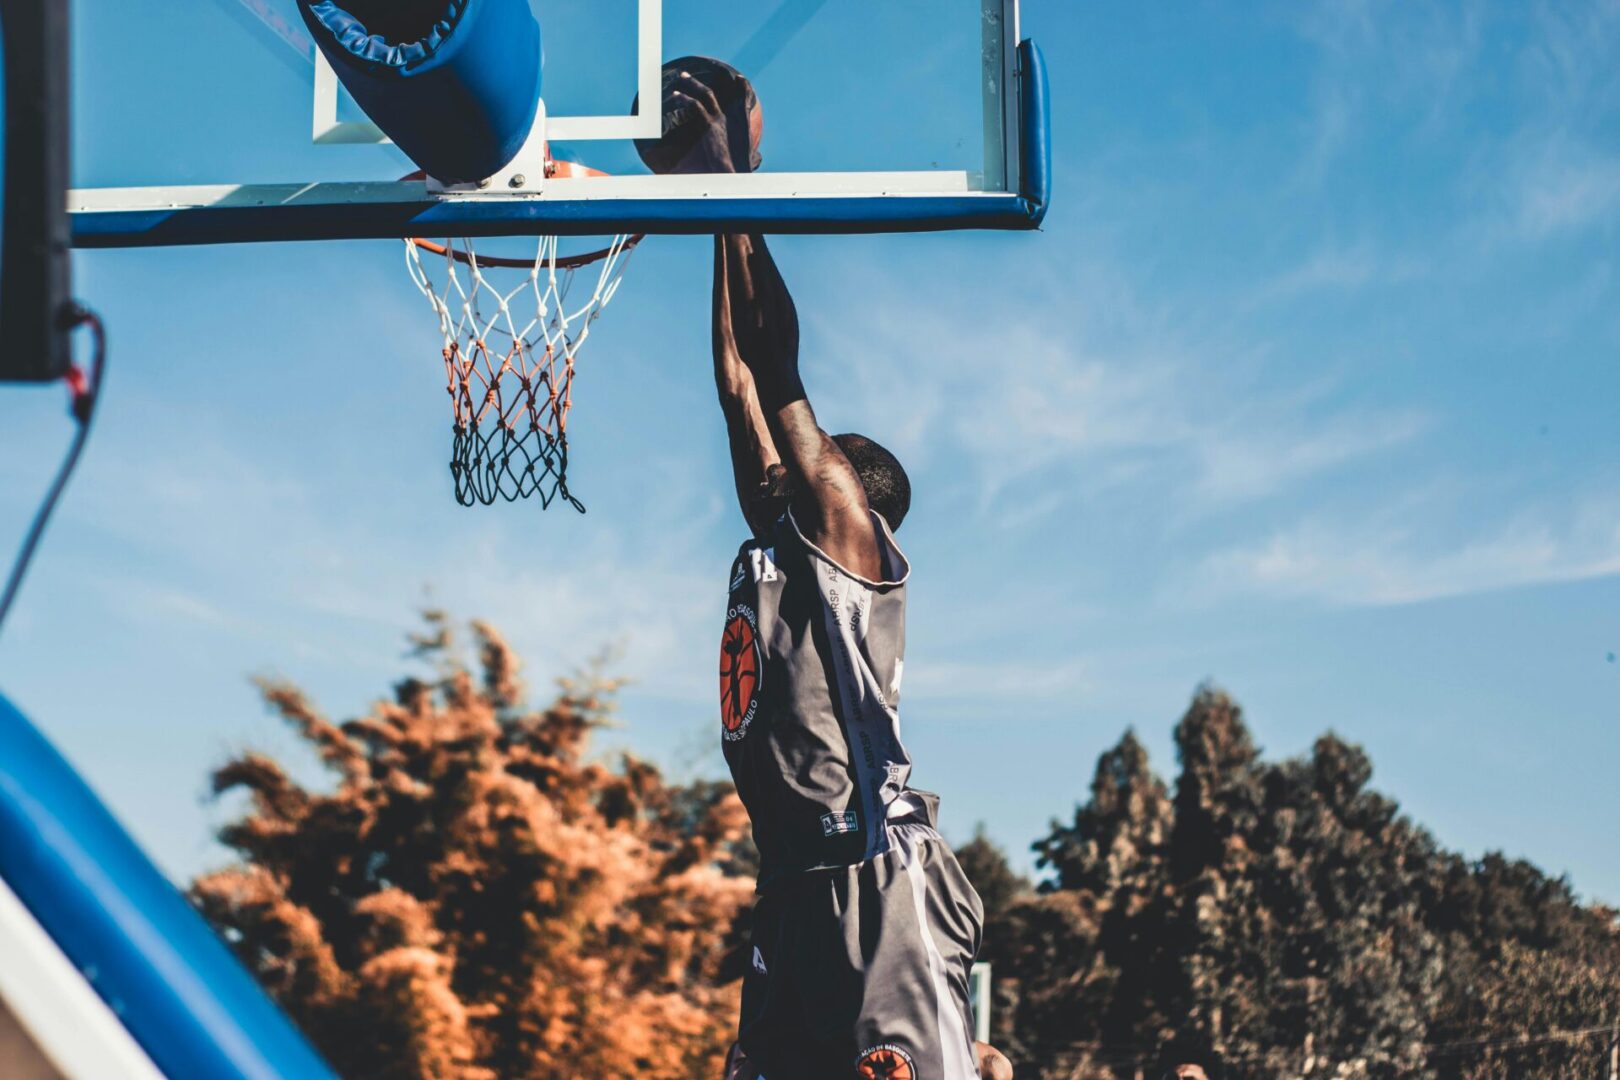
pixel 179 992
pixel 306 212
pixel 36 291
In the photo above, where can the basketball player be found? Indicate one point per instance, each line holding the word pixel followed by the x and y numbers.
pixel 865 927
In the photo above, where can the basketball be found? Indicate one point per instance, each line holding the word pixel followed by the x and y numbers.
pixel 678 149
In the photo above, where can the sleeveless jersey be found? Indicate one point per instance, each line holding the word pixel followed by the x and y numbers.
pixel 810 666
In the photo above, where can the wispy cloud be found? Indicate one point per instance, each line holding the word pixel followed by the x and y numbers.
pixel 1204 416
pixel 1418 80
pixel 249 560
pixel 1565 188
pixel 1001 682
pixel 1376 55
pixel 158 603
pixel 1385 562
pixel 1237 466
pixel 1338 269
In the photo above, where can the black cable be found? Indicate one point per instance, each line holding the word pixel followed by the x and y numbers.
pixel 85 396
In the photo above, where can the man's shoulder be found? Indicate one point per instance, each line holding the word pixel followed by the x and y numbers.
pixel 894 569
pixel 780 535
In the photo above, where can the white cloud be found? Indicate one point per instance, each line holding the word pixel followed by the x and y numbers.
pixel 1529 99
pixel 1029 397
pixel 1566 190
pixel 1411 59
pixel 1253 464
pixel 244 560
pixel 958 682
pixel 155 602
pixel 1556 171
pixel 1387 562
pixel 1332 268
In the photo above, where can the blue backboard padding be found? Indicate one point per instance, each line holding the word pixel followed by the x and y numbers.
pixel 1035 131
pixel 459 101
pixel 176 988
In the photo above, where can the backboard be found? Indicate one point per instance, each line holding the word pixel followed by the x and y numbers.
pixel 219 121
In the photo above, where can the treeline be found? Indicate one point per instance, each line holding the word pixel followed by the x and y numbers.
pixel 475 897
pixel 1271 919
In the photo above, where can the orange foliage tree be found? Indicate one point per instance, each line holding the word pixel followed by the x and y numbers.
pixel 475 898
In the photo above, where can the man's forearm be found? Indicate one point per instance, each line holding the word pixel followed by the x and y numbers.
pixel 764 325
pixel 753 451
pixel 732 379
pixel 764 321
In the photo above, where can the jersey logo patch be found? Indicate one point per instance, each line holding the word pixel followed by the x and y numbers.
pixel 885 1062
pixel 840 821
pixel 740 671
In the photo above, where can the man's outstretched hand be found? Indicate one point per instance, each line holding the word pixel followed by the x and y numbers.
pixel 993 1064
pixel 710 127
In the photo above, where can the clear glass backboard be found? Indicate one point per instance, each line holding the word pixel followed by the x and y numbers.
pixel 219 120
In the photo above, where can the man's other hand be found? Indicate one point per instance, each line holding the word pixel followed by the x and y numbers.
pixel 993 1064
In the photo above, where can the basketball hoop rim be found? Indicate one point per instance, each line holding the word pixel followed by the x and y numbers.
pixel 555 169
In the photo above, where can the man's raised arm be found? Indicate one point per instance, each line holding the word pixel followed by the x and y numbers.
pixel 754 310
pixel 756 466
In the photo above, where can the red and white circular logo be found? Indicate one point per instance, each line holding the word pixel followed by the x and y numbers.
pixel 740 672
pixel 885 1062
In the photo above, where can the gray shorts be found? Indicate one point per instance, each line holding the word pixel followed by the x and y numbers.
pixel 862 971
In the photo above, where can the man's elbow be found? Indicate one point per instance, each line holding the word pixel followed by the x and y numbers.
pixel 736 398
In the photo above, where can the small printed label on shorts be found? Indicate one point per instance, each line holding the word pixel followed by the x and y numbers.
pixel 759 962
pixel 840 821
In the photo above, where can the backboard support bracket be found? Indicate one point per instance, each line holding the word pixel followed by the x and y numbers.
pixel 525 174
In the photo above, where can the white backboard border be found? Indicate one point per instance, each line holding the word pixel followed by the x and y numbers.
pixel 644 123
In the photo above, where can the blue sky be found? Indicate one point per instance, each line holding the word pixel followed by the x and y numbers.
pixel 1307 387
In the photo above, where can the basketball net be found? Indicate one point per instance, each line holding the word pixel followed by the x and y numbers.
pixel 511 330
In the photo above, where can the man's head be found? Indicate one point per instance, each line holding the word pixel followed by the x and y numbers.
pixel 888 491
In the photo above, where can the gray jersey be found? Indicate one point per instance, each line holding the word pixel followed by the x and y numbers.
pixel 810 668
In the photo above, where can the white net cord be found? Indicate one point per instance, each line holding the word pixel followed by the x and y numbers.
pixel 510 340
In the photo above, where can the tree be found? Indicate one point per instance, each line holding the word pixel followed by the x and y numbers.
pixel 1109 885
pixel 476 898
pixel 992 877
pixel 1283 919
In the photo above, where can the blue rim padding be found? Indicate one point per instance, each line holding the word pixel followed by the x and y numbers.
pixel 459 101
pixel 349 34
pixel 154 961
pixel 414 213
